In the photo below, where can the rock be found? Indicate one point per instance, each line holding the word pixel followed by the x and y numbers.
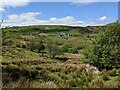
pixel 92 69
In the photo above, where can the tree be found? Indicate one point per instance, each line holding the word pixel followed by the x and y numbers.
pixel 32 45
pixel 105 52
pixel 53 49
pixel 37 46
pixel 41 47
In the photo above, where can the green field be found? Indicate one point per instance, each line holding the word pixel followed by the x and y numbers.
pixel 56 57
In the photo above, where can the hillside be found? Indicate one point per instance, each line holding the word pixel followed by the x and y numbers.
pixel 18 38
pixel 52 57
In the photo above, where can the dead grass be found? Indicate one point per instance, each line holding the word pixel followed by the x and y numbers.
pixel 42 73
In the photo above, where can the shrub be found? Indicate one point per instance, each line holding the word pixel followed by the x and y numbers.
pixel 105 52
pixel 14 71
pixel 54 77
pixel 73 50
pixel 37 46
pixel 98 83
pixel 113 72
pixel 104 75
pixel 53 49
pixel 65 48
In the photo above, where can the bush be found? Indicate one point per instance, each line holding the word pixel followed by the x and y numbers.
pixel 65 48
pixel 105 52
pixel 37 45
pixel 14 71
pixel 73 50
pixel 113 72
pixel 53 49
pixel 105 75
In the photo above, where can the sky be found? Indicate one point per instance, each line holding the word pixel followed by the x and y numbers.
pixel 58 13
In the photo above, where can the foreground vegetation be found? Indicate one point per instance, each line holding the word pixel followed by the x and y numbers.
pixel 54 74
pixel 61 56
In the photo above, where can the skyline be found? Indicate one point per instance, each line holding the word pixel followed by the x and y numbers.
pixel 61 13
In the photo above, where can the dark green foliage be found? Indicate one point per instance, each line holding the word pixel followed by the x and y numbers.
pixel 40 47
pixel 65 48
pixel 14 71
pixel 33 45
pixel 105 52
pixel 73 50
pixel 53 49
pixel 37 46
pixel 69 48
